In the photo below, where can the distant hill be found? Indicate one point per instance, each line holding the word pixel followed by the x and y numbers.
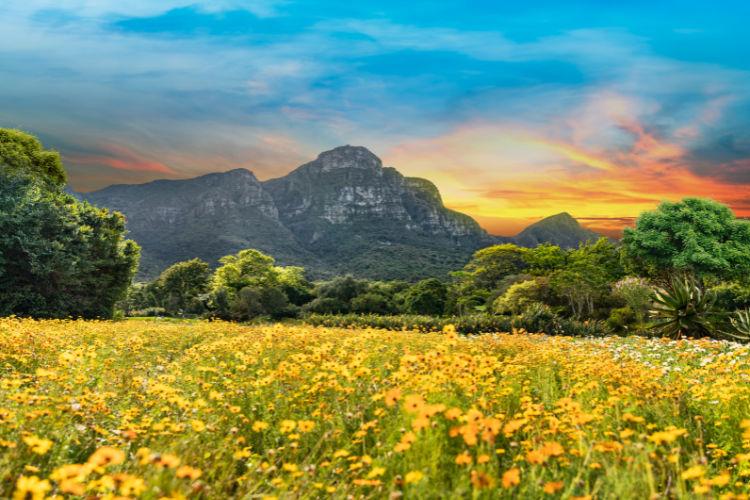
pixel 341 213
pixel 561 229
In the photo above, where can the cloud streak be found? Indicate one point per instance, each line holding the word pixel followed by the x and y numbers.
pixel 513 117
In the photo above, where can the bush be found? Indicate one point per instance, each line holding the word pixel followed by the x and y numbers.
pixel 621 320
pixel 149 312
pixel 520 296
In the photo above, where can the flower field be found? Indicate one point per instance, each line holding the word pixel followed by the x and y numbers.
pixel 140 409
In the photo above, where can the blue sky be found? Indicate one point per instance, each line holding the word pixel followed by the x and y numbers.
pixel 515 111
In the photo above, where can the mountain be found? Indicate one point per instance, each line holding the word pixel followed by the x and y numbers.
pixel 342 213
pixel 207 217
pixel 561 229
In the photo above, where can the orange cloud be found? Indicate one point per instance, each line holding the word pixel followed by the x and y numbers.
pixel 120 157
pixel 507 175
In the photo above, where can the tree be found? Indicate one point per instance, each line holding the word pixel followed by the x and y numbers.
pixel 427 297
pixel 490 265
pixel 545 258
pixel 23 153
pixel 696 237
pixel 182 283
pixel 588 276
pixel 58 257
pixel 249 268
pixel 248 284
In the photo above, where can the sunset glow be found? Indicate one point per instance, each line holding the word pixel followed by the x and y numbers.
pixel 515 113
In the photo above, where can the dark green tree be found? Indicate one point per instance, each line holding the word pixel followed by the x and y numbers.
pixel 427 297
pixel 490 265
pixel 182 283
pixel 695 237
pixel 58 257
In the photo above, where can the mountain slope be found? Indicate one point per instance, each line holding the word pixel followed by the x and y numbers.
pixel 207 217
pixel 561 229
pixel 341 213
pixel 358 216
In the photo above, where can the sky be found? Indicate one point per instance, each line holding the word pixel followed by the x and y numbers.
pixel 515 110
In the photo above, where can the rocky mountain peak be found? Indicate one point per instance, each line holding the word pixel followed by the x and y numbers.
pixel 348 157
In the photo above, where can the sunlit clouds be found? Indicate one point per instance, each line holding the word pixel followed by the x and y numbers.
pixel 514 112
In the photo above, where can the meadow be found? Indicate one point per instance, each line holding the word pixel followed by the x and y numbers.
pixel 169 410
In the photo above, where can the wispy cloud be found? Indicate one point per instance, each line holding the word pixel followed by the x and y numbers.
pixel 505 110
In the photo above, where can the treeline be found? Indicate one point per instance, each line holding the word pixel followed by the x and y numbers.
pixel 683 270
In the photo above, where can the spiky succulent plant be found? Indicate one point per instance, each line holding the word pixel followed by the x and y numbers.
pixel 684 309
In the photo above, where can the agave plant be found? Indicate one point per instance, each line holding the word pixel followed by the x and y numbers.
pixel 684 309
pixel 741 323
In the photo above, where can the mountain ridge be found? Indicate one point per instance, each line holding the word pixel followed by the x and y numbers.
pixel 343 212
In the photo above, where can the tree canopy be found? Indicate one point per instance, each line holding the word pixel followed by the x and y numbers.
pixel 695 236
pixel 23 153
pixel 58 257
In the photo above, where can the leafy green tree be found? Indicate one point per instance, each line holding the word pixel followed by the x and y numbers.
pixel 59 257
pixel 182 283
pixel 427 297
pixel 545 258
pixel 248 285
pixel 249 268
pixel 695 236
pixel 23 153
pixel 490 265
pixel 371 302
pixel 590 272
pixel 521 295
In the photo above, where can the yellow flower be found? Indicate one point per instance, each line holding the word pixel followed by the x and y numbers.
pixel 453 413
pixel 260 426
pixel 413 477
pixel 376 471
pixel 413 403
pixel 106 455
pixel 305 425
pixel 392 395
pixel 693 472
pixel 463 459
pixel 511 477
pixel 37 445
pixel 552 487
pixel 167 460
pixel 189 472
pixel 31 488
pixel 288 426
pixel 198 425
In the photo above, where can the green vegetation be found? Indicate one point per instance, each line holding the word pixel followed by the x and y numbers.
pixel 682 271
pixel 58 257
pixel 696 236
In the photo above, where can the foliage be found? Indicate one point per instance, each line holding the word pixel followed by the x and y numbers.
pixel 684 310
pixel 521 295
pixel 155 409
pixel 21 153
pixel 249 285
pixel 621 319
pixel 426 297
pixel 741 323
pixel 695 236
pixel 58 257
pixel 588 276
pixel 182 283
pixel 731 295
pixel 490 265
pixel 545 258
pixel 637 295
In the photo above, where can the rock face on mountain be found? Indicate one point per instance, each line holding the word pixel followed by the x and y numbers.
pixel 207 217
pixel 341 213
pixel 356 214
pixel 561 229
